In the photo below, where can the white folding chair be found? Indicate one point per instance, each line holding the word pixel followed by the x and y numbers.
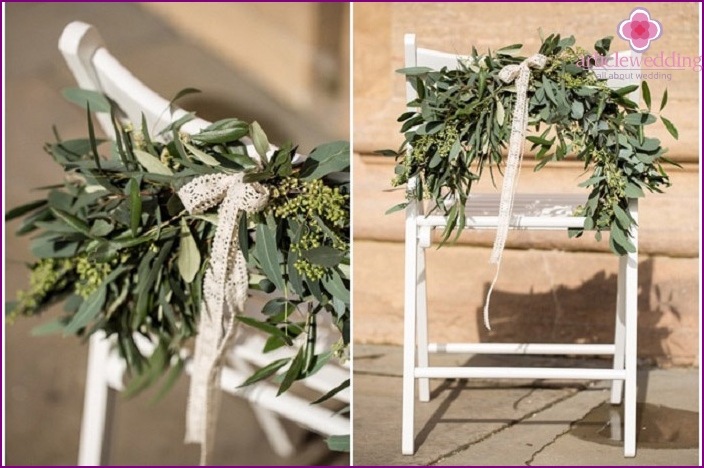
pixel 94 68
pixel 530 211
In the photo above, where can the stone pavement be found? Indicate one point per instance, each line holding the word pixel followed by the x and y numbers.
pixel 540 423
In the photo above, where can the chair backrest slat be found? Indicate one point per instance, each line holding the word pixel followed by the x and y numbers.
pixel 419 57
pixel 96 69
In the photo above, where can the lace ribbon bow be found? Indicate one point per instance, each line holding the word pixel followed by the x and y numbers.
pixel 224 293
pixel 521 74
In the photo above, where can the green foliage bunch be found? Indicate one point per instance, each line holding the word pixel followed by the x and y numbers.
pixel 115 243
pixel 462 124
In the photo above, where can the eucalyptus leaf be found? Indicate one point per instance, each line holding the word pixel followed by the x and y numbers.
pixel 338 443
pixel 202 156
pixel 24 209
pixel 261 142
pixel 268 255
pixel 266 371
pixel 325 159
pixel 85 98
pixel 189 259
pixel 151 163
pixel 670 128
pixel 88 311
pixel 646 93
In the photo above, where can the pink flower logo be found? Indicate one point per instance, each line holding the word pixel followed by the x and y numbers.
pixel 639 29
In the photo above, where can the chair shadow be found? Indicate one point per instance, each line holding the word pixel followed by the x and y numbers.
pixel 450 390
pixel 511 323
pixel 583 314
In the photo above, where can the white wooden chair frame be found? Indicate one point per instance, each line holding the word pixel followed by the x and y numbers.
pixel 416 347
pixel 96 69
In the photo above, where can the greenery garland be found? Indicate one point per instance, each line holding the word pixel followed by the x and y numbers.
pixel 115 242
pixel 463 122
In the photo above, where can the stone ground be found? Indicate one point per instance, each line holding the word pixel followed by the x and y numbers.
pixel 44 376
pixel 470 423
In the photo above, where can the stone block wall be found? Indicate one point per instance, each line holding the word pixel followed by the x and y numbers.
pixel 551 288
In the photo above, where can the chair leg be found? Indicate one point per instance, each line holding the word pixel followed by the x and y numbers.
pixel 620 333
pixel 422 323
pixel 268 420
pixel 276 434
pixel 409 334
pixel 97 406
pixel 631 362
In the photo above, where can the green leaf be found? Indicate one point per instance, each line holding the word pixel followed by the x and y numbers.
pixel 414 71
pixel 335 286
pixel 327 158
pixel 101 228
pixel 603 45
pixel 622 216
pixel 151 163
pixel 332 392
pixel 500 113
pixel 18 211
pixel 90 309
pixel 634 191
pixel 639 118
pixel 178 123
pixel 265 372
pixel 189 259
pixel 155 366
pixel 626 90
pixel 84 97
pixel 510 50
pixel 670 128
pixel 540 141
pixel 278 306
pixel 649 145
pixel 202 156
pixel 621 238
pixel 135 205
pixel 267 328
pixel 182 93
pixel 324 255
pixel 268 255
pixel 78 224
pixel 222 136
pixel 91 136
pixel 261 142
pixel 293 372
pixel 399 207
pixel 663 102
pixel 577 110
pixel 171 378
pixel 49 328
pixel 646 93
pixel 338 443
pixel 242 159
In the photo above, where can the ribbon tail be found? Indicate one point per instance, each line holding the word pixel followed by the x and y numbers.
pixel 202 399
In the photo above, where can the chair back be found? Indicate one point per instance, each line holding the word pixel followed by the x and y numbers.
pixel 419 57
pixel 96 69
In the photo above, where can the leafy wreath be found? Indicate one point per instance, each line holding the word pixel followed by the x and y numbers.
pixel 114 241
pixel 463 122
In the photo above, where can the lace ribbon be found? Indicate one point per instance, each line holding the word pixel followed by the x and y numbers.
pixel 224 293
pixel 521 74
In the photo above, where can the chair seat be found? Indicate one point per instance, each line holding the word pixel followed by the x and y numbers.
pixel 530 211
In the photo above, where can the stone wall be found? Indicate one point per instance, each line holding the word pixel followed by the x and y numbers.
pixel 542 293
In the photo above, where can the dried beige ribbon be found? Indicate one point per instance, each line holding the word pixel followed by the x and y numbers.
pixel 520 73
pixel 224 294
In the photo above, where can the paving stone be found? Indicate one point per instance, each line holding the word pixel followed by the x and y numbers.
pixel 473 423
